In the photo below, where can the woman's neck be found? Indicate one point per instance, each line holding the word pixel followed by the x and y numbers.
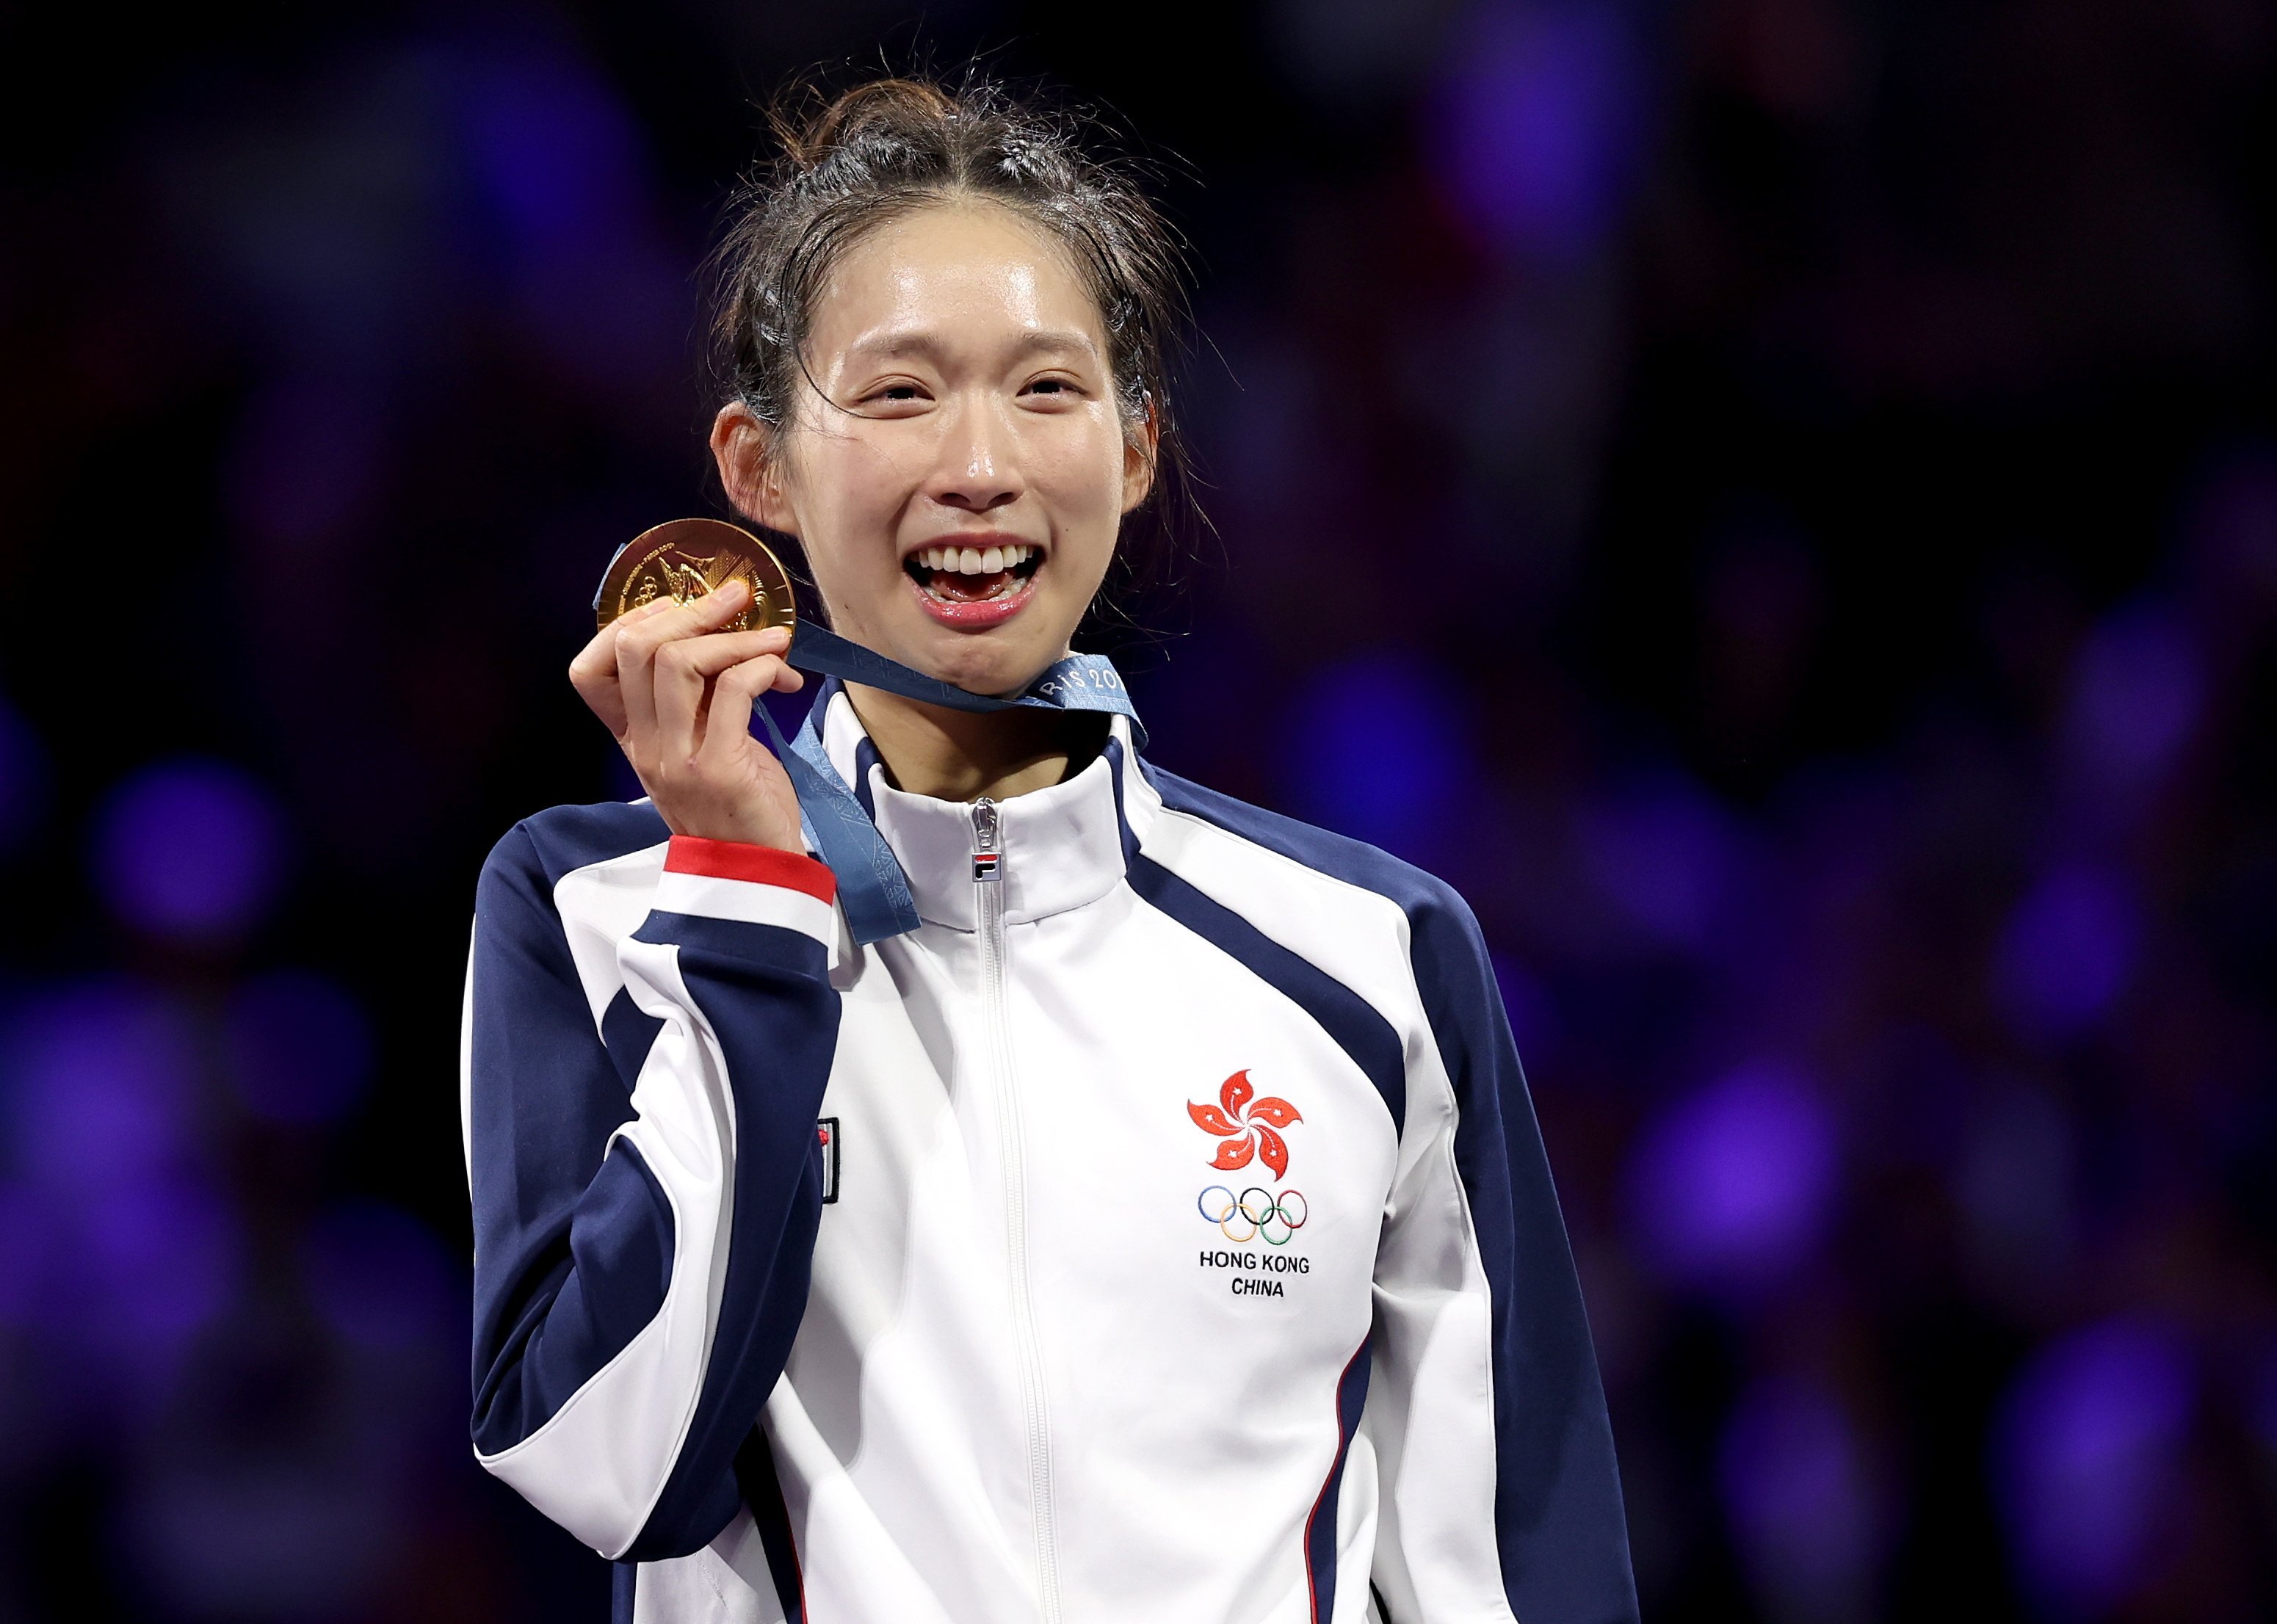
pixel 963 755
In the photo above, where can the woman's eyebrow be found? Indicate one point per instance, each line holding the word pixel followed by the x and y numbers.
pixel 928 346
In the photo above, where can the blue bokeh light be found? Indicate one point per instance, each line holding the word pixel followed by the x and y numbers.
pixel 103 1088
pixel 1663 850
pixel 1398 716
pixel 2066 953
pixel 189 851
pixel 1534 129
pixel 105 1113
pixel 1731 1187
pixel 2085 1450
pixel 1798 1496
pixel 2138 688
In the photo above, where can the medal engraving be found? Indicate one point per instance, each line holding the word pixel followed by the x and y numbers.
pixel 683 559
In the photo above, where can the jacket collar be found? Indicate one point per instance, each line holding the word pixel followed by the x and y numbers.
pixel 1061 847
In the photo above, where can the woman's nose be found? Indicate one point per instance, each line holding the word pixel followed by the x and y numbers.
pixel 979 467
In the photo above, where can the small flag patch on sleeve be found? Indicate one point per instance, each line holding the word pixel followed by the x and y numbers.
pixel 826 1138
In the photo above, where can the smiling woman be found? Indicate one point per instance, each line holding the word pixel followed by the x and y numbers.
pixel 885 1273
pixel 958 401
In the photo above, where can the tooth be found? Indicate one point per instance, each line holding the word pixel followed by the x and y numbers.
pixel 932 558
pixel 969 561
pixel 1014 557
pixel 992 560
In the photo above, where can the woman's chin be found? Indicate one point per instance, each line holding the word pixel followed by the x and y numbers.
pixel 999 660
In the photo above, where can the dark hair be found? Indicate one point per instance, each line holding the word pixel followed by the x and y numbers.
pixel 852 162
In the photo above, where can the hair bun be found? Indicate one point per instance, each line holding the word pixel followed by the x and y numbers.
pixel 890 108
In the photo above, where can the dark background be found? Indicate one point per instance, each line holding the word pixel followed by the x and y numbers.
pixel 1777 500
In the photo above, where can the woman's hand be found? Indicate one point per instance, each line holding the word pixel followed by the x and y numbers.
pixel 678 693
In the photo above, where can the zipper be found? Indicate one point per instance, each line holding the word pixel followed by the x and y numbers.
pixel 988 903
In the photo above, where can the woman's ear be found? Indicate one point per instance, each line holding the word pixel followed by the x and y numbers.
pixel 750 468
pixel 1140 443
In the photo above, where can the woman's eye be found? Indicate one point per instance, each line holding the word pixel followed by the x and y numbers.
pixel 1052 386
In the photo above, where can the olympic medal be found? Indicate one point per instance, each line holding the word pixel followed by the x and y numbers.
pixel 683 559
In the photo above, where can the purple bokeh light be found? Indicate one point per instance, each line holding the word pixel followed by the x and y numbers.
pixel 557 160
pixel 1800 1500
pixel 2066 953
pixel 189 852
pixel 2138 688
pixel 138 1248
pixel 104 1089
pixel 300 1047
pixel 1534 127
pixel 157 1263
pixel 1731 1187
pixel 553 152
pixel 27 1244
pixel 1662 850
pixel 1402 715
pixel 2085 1450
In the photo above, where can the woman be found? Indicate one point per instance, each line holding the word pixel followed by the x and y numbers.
pixel 1157 1230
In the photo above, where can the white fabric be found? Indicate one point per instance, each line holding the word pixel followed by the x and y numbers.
pixel 751 901
pixel 1181 1468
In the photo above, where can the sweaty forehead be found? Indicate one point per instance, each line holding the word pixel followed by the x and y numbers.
pixel 957 275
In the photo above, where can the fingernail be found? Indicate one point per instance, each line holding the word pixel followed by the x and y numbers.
pixel 728 591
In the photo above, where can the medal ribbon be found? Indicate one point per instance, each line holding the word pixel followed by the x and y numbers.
pixel 872 888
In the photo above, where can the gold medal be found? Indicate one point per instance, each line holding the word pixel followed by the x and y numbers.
pixel 683 559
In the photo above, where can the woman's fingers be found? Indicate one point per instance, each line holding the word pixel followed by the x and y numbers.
pixel 678 692
pixel 683 675
pixel 593 673
pixel 640 642
pixel 727 721
pixel 753 792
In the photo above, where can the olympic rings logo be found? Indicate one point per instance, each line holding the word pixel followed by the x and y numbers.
pixel 1256 1214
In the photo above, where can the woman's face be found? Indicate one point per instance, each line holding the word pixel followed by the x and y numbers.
pixel 957 468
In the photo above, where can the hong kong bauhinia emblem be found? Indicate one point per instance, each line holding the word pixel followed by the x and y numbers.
pixel 1250 1128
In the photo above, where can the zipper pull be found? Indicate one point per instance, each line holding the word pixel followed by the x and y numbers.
pixel 987 846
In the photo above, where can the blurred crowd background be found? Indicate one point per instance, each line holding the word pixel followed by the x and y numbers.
pixel 1777 500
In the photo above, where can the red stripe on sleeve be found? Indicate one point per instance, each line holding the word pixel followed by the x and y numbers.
pixel 763 865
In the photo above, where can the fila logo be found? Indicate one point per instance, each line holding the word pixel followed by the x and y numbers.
pixel 984 864
pixel 826 1138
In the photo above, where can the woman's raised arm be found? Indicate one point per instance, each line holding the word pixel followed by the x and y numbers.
pixel 650 1025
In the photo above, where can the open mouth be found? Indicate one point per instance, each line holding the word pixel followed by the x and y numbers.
pixel 961 575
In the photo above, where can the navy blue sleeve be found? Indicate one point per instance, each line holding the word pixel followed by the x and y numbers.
pixel 646 1185
pixel 1561 1528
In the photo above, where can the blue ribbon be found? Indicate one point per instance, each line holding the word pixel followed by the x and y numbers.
pixel 872 888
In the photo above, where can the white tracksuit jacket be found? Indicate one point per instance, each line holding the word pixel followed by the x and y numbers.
pixel 1161 1233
